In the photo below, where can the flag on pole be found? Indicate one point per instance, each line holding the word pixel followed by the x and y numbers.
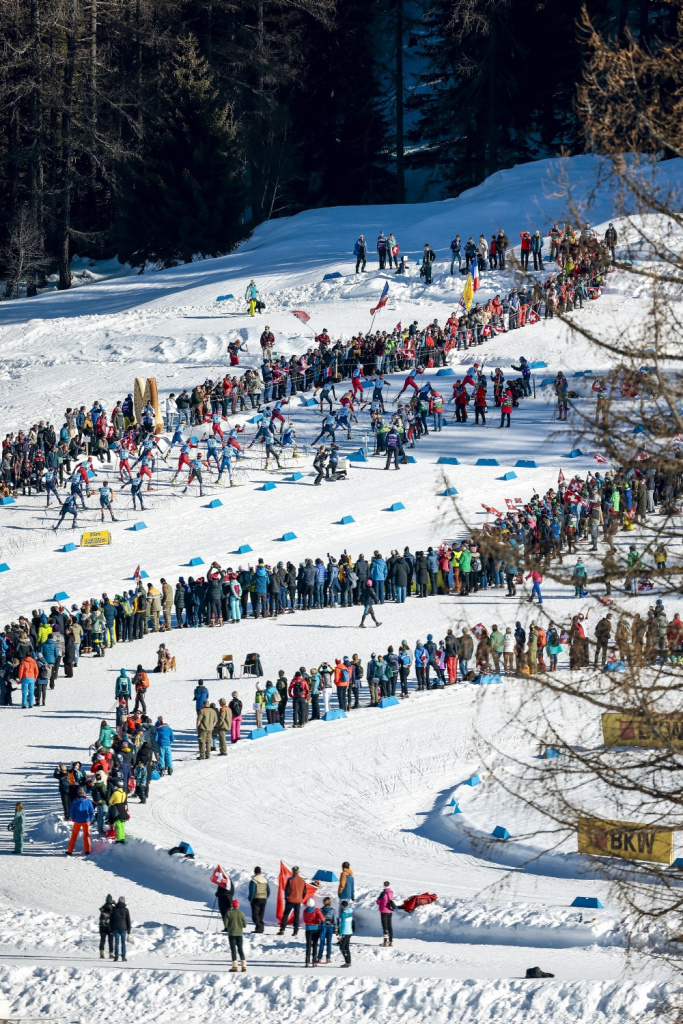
pixel 219 877
pixel 560 477
pixel 467 293
pixel 398 328
pixel 383 299
pixel 600 458
pixel 300 315
pixel 136 574
pixel 474 271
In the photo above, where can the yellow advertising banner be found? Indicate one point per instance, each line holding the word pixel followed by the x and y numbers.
pixel 626 840
pixel 95 538
pixel 625 730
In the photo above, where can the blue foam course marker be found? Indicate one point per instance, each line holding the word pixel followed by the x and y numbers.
pixel 215 503
pixel 358 456
pixel 526 464
pixel 69 547
pixel 268 486
pixel 288 536
pixel 331 277
pixel 387 702
pixel 510 475
pixel 136 527
pixel 446 371
pixel 590 902
pixel 222 298
pixel 258 734
pixel 7 501
pixel 500 833
pixel 346 520
pixel 538 364
pixel 574 453
pixel 325 876
pixel 4 567
pixel 448 460
pixel 244 549
pixel 196 561
pixel 487 462
pixel 396 507
pixel 274 727
pixel 473 780
pixel 61 595
pixel 449 492
pixel 332 716
pixel 296 476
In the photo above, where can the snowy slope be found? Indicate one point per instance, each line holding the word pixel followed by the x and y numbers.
pixel 373 789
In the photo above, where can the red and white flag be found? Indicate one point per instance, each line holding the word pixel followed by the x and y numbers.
pixel 678 439
pixel 600 458
pixel 532 317
pixel 398 326
pixel 219 877
pixel 301 315
pixel 643 455
pixel 492 511
pixel 511 505
pixel 560 477
pixel 136 574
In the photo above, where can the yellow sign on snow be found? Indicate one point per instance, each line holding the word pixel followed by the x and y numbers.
pixel 626 840
pixel 625 730
pixel 95 538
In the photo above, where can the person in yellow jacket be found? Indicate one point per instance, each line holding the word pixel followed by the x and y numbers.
pixel 455 566
pixel 118 812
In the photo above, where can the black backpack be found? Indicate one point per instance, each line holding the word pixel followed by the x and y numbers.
pixel 298 690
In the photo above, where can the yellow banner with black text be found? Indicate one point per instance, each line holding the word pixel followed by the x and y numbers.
pixel 626 840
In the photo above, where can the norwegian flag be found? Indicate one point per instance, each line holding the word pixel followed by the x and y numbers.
pixel 219 877
pixel 600 458
pixel 136 574
pixel 560 477
pixel 300 315
pixel 532 317
pixel 383 299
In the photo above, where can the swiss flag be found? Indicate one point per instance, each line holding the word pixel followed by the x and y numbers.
pixel 532 317
pixel 492 511
pixel 219 877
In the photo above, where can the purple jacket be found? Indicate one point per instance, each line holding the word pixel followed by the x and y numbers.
pixel 383 901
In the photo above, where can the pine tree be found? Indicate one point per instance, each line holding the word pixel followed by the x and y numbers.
pixel 183 195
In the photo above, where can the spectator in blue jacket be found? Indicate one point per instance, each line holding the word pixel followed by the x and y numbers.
pixel 378 574
pixel 163 735
pixel 109 612
pixel 201 694
pixel 262 580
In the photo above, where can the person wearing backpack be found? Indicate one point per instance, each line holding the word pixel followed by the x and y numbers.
pixel 404 663
pixel 272 702
pixel 141 684
pixel 299 693
pixel 342 678
pixel 106 934
pixel 386 911
pixel 122 689
pixel 315 684
pixel 354 685
pixel 235 706
pixel 327 929
pixel 346 930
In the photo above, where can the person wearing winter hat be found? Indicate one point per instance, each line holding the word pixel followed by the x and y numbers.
pixel 369 598
pixel 235 923
pixel 106 934
pixel 313 921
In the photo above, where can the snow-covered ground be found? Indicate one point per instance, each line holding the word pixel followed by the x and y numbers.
pixel 373 789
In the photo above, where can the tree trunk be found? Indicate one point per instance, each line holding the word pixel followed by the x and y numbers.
pixel 400 155
pixel 63 241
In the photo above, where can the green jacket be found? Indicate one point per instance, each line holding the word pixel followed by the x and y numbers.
pixel 235 922
pixel 465 560
pixel 497 641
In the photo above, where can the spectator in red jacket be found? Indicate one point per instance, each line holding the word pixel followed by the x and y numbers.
pixel 313 920
pixel 299 692
pixel 525 249
pixel 505 408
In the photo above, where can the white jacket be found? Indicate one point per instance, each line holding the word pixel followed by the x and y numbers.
pixel 509 643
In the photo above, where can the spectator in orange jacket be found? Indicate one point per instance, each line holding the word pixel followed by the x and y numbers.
pixel 27 675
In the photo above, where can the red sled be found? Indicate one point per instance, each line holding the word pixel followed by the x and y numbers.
pixel 423 900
